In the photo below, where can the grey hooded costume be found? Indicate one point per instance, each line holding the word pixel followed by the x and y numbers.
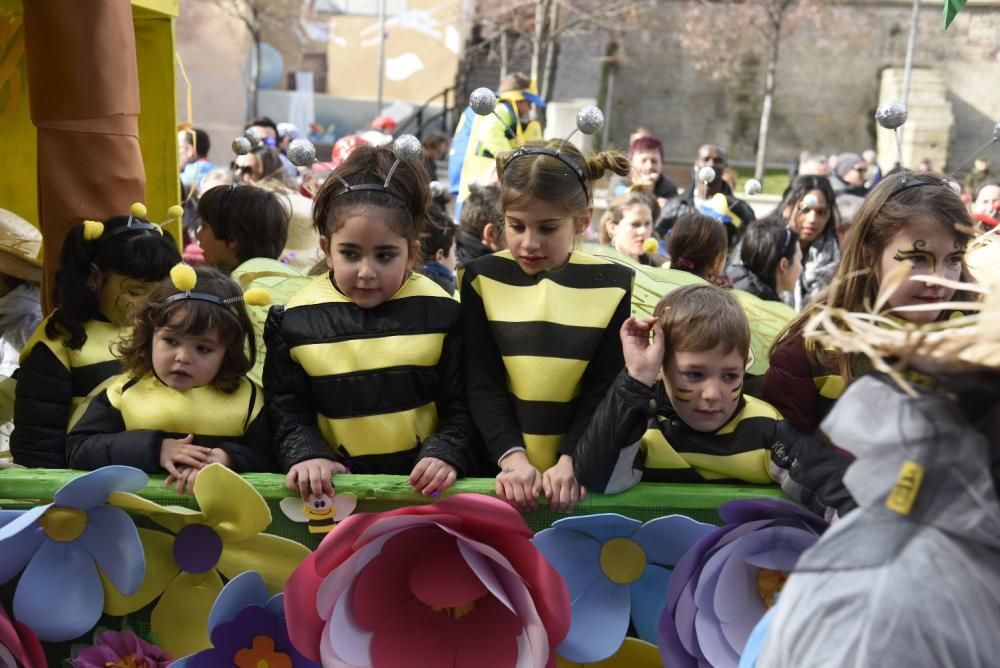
pixel 885 589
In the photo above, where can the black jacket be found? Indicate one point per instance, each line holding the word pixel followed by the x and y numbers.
pixel 746 280
pixel 611 456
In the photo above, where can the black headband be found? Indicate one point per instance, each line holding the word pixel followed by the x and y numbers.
pixel 523 151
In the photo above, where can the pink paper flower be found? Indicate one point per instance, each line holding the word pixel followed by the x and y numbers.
pixel 455 583
pixel 19 646
pixel 121 649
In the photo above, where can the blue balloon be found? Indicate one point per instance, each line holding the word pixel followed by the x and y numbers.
pixel 272 65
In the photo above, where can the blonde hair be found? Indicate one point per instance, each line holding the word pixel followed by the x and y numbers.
pixel 616 210
pixel 525 178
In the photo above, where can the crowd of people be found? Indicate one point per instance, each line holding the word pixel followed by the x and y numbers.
pixel 485 344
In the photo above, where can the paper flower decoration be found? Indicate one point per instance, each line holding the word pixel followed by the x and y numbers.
pixel 727 581
pixel 121 649
pixel 633 653
pixel 184 566
pixel 60 546
pixel 615 568
pixel 19 646
pixel 455 583
pixel 247 629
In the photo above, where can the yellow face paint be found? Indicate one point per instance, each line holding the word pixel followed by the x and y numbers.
pixel 682 395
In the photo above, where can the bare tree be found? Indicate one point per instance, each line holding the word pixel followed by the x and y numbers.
pixel 258 16
pixel 711 28
pixel 544 23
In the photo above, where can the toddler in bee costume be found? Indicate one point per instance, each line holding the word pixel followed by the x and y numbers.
pixel 184 400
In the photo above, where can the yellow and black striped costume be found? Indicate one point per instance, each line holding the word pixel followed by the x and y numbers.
pixel 127 419
pixel 542 350
pixel 51 382
pixel 369 387
pixel 636 435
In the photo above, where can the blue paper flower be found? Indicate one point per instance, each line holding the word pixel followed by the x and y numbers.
pixel 61 545
pixel 247 629
pixel 615 568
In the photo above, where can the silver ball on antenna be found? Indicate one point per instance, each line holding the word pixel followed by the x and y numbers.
pixel 242 146
pixel 437 189
pixel 589 120
pixel 407 148
pixel 809 202
pixel 253 137
pixel 954 185
pixel 753 187
pixel 483 101
pixel 706 175
pixel 301 152
pixel 891 115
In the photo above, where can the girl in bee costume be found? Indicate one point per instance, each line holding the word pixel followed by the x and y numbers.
pixel 103 270
pixel 184 401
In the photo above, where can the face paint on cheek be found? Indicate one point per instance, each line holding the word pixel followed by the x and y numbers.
pixel 736 392
pixel 683 395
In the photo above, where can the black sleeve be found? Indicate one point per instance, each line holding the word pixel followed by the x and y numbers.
pixel 486 378
pixel 254 453
pixel 601 372
pixel 42 402
pixel 456 440
pixel 810 471
pixel 608 457
pixel 289 401
pixel 743 210
pixel 99 439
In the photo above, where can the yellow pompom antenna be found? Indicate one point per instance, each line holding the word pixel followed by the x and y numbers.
pixel 257 297
pixel 183 277
pixel 176 211
pixel 92 229
pixel 138 209
pixel 650 245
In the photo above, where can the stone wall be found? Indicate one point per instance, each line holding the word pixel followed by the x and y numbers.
pixel 828 85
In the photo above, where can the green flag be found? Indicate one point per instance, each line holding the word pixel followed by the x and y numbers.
pixel 951 10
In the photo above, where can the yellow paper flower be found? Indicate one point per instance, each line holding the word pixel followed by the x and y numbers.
pixel 224 537
pixel 634 653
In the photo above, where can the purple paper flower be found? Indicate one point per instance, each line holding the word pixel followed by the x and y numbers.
pixel 61 545
pixel 615 568
pixel 727 581
pixel 247 629
pixel 121 648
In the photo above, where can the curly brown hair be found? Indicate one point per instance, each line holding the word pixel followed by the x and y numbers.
pixel 197 317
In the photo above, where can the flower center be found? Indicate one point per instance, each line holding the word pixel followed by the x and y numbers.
pixel 63 524
pixel 623 560
pixel 457 612
pixel 262 655
pixel 769 584
pixel 127 662
pixel 197 548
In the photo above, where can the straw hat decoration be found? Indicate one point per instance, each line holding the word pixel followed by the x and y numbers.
pixel 20 244
pixel 969 342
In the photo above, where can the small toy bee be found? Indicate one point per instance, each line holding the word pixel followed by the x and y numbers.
pixel 320 512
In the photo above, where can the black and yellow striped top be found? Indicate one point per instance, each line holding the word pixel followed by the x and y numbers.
pixel 372 379
pixel 541 350
pixel 53 381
